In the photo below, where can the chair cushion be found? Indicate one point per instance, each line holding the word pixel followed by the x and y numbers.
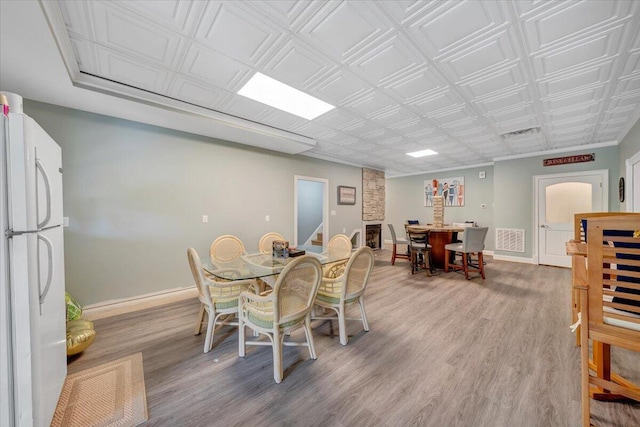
pixel 224 298
pixel 454 247
pixel 332 298
pixel 262 315
pixel 224 303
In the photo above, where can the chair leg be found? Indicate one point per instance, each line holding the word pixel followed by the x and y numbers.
pixel 427 262
pixel 211 324
pixel 277 356
pixel 584 363
pixel 393 255
pixel 200 319
pixel 365 323
pixel 242 347
pixel 413 262
pixel 342 326
pixel 446 260
pixel 481 265
pixel 465 264
pixel 307 332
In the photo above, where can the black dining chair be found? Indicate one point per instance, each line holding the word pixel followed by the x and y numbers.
pixel 420 251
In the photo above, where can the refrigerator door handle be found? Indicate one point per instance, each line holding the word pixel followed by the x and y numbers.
pixel 47 188
pixel 43 294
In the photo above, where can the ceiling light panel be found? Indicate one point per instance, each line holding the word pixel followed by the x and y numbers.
pixel 422 153
pixel 276 94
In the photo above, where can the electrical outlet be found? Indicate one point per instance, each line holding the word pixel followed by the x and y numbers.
pixel 266 218
pixel 344 231
pixel 65 221
pixel 205 218
pixel 333 213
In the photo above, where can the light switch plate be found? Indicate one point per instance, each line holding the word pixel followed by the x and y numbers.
pixel 205 218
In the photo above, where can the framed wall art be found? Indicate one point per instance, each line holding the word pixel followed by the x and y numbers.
pixel 346 195
pixel 451 189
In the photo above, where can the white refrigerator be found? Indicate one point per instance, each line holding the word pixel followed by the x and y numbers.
pixel 33 332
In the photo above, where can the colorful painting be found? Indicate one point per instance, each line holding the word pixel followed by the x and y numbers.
pixel 451 189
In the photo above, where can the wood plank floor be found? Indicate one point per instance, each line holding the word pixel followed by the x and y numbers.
pixel 442 351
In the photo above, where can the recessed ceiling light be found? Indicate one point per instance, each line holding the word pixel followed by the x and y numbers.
pixel 283 97
pixel 422 153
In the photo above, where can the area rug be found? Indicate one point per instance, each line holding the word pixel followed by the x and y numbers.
pixel 112 394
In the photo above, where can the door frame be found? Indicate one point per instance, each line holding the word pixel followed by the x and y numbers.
pixel 604 174
pixel 325 206
pixel 629 185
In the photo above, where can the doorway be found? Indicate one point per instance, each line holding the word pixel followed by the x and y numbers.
pixel 557 198
pixel 632 190
pixel 311 209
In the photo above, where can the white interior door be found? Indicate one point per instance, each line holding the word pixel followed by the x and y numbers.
pixel 559 197
pixel 632 188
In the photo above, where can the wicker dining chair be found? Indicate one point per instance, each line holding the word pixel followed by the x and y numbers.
pixel 216 298
pixel 337 294
pixel 339 246
pixel 226 250
pixel 266 242
pixel 285 309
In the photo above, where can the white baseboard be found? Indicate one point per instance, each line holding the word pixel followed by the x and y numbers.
pixel 110 308
pixel 513 259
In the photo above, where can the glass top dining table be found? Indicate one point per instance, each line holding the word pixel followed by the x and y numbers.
pixel 259 265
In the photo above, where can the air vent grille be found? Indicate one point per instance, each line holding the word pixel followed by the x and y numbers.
pixel 508 239
pixel 521 133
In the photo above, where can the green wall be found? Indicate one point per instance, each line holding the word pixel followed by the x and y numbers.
pixel 514 187
pixel 135 195
pixel 405 200
pixel 507 192
pixel 629 146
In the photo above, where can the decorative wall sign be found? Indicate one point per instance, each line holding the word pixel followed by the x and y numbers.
pixel 346 195
pixel 580 158
pixel 451 190
pixel 621 189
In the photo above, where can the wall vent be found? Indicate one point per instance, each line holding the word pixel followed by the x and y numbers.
pixel 509 240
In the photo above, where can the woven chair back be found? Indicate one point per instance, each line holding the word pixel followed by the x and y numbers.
pixel 226 249
pixel 296 288
pixel 266 242
pixel 358 270
pixel 474 239
pixel 340 244
pixel 196 270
